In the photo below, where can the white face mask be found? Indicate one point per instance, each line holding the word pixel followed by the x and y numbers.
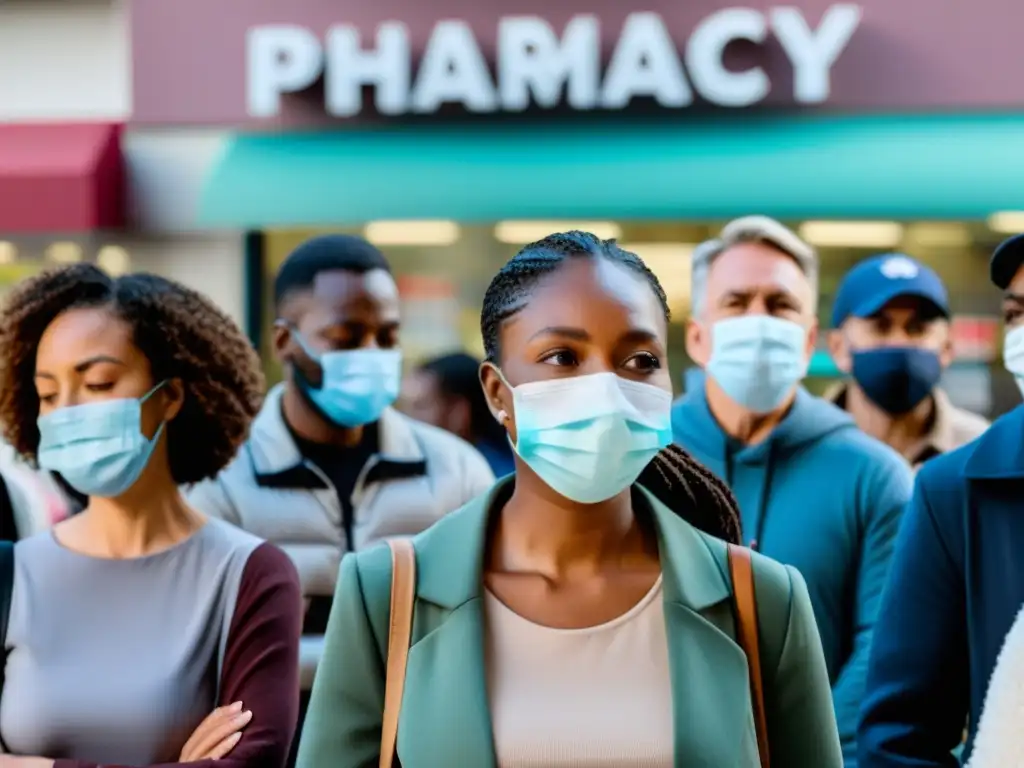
pixel 1013 355
pixel 590 437
pixel 757 360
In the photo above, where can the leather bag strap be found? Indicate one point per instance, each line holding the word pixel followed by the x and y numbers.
pixel 742 573
pixel 403 596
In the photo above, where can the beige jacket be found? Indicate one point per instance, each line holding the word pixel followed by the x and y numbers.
pixel 420 474
pixel 952 427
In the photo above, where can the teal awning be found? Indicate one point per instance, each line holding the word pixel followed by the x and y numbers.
pixel 792 168
pixel 823 365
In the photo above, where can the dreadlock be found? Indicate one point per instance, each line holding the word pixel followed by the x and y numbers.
pixel 680 482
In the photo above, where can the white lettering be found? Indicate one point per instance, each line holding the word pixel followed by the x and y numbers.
pixel 533 62
pixel 645 63
pixel 453 70
pixel 814 53
pixel 534 65
pixel 280 59
pixel 350 68
pixel 704 58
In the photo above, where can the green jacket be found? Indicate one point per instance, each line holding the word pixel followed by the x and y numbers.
pixel 445 720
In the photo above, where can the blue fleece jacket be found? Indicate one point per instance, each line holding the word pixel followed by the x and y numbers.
pixel 820 495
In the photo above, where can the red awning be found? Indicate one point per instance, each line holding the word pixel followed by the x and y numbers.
pixel 60 177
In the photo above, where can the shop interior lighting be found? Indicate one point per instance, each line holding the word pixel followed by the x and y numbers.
pixel 114 260
pixel 412 233
pixel 1007 222
pixel 852 234
pixel 64 252
pixel 8 252
pixel 937 234
pixel 670 262
pixel 667 258
pixel 522 232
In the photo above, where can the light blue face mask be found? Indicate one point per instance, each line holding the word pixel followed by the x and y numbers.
pixel 757 360
pixel 1013 355
pixel 357 384
pixel 99 447
pixel 590 437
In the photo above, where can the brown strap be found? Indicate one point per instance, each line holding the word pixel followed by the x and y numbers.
pixel 403 595
pixel 746 632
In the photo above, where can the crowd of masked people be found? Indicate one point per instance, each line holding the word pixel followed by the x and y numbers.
pixel 206 572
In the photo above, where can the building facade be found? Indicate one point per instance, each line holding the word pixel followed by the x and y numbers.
pixel 452 133
pixel 65 92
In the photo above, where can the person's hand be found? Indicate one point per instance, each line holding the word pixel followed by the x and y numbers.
pixel 217 735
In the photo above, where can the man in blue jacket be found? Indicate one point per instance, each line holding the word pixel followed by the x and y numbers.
pixel 814 491
pixel 957 580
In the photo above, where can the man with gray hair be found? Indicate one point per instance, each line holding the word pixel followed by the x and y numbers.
pixel 814 491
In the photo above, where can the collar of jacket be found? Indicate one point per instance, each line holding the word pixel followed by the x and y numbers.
pixel 274 452
pixel 692 576
pixel 999 453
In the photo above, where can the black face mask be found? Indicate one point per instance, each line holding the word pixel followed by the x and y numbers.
pixel 897 379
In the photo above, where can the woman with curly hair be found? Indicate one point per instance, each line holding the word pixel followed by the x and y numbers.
pixel 140 632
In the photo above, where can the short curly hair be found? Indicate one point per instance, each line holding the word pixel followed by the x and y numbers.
pixel 182 334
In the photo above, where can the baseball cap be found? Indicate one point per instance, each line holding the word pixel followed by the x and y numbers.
pixel 875 282
pixel 1006 260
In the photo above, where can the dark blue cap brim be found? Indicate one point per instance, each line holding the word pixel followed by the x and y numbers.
pixel 1006 260
pixel 877 301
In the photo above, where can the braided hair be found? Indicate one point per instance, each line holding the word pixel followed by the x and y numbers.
pixel 678 480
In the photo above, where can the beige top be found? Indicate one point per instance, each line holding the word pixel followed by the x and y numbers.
pixel 581 698
pixel 951 427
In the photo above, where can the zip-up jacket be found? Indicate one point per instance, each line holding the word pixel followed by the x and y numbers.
pixel 420 474
pixel 820 495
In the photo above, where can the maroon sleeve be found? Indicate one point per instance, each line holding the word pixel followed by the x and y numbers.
pixel 261 664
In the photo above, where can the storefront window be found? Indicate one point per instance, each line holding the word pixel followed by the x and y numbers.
pixel 211 263
pixel 443 269
pixel 24 257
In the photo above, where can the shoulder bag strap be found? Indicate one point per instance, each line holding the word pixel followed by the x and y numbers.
pixel 403 596
pixel 742 573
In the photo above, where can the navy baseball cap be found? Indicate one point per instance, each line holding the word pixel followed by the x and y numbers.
pixel 875 282
pixel 1006 260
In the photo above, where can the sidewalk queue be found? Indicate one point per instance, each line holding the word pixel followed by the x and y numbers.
pixel 313 578
pixel 814 492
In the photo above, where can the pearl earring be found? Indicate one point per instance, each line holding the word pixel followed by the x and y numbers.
pixel 502 417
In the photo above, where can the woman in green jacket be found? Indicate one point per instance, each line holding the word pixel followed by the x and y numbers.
pixel 580 613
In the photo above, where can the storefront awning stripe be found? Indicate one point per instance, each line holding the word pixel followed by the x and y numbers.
pixel 60 177
pixel 789 167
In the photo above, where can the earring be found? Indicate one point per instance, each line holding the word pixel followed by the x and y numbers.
pixel 502 417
